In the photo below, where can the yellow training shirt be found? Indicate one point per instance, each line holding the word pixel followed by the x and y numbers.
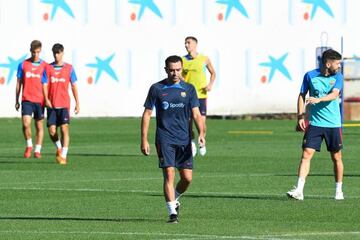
pixel 194 72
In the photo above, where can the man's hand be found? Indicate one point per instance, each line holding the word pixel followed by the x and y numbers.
pixel 77 109
pixel 48 103
pixel 313 100
pixel 17 106
pixel 145 148
pixel 301 126
pixel 201 140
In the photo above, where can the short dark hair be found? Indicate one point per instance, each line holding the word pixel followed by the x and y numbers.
pixel 192 38
pixel 35 44
pixel 173 59
pixel 57 48
pixel 330 54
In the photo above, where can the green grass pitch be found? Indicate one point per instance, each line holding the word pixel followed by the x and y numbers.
pixel 109 190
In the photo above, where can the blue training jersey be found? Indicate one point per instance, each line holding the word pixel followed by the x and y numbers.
pixel 323 114
pixel 173 104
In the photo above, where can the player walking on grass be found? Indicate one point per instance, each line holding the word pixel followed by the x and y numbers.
pixel 175 101
pixel 324 86
pixel 194 72
pixel 57 100
pixel 30 73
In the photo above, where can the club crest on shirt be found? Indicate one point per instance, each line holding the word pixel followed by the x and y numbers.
pixel 183 94
pixel 332 82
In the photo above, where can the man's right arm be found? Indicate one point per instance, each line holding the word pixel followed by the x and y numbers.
pixel 300 112
pixel 145 122
pixel 17 94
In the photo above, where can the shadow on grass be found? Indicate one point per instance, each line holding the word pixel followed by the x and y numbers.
pixel 39 218
pixel 23 162
pixel 234 196
pixel 104 155
pixel 317 175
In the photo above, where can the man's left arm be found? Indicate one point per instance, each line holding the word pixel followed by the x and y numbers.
pixel 327 98
pixel 335 92
pixel 200 123
pixel 76 97
pixel 73 80
pixel 211 70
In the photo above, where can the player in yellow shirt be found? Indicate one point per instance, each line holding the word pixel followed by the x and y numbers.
pixel 194 72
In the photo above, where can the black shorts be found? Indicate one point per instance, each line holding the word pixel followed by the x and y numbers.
pixel 171 155
pixel 314 136
pixel 203 106
pixel 57 116
pixel 30 108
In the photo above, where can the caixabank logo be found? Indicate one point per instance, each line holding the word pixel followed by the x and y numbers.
pixel 144 5
pixel 147 12
pixel 276 68
pixel 232 11
pixel 100 66
pixel 308 11
pixel 231 5
pixel 55 6
pixel 314 6
pixel 274 65
pixel 9 69
pixel 63 12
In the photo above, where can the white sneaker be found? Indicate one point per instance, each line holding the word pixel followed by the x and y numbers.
pixel 339 196
pixel 295 194
pixel 202 150
pixel 193 148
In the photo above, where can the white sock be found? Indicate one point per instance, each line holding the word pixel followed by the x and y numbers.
pixel 171 207
pixel 300 184
pixel 177 196
pixel 58 144
pixel 37 148
pixel 64 151
pixel 29 142
pixel 338 186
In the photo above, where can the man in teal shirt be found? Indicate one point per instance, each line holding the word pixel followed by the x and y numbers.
pixel 324 86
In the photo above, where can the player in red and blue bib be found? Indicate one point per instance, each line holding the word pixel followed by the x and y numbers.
pixel 57 100
pixel 30 74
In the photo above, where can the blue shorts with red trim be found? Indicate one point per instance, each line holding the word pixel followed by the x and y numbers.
pixel 30 108
pixel 314 136
pixel 57 116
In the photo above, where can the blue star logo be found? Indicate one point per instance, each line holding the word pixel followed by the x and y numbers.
pixel 59 4
pixel 103 65
pixel 233 4
pixel 319 4
pixel 146 4
pixel 12 65
pixel 276 65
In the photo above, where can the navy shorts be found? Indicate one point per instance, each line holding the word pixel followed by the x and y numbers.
pixel 171 155
pixel 57 116
pixel 203 106
pixel 314 136
pixel 30 108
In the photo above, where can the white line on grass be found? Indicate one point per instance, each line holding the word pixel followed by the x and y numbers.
pixel 304 234
pixel 182 235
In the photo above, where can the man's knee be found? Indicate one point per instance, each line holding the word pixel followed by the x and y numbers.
pixel 307 154
pixel 186 179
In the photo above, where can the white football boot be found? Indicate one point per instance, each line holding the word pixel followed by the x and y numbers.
pixel 295 194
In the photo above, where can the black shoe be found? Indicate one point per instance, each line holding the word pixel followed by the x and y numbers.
pixel 173 218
